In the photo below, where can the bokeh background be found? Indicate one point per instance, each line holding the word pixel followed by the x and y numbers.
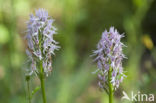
pixel 80 24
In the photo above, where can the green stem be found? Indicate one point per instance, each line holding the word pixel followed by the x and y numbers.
pixel 29 96
pixel 42 83
pixel 110 87
pixel 43 89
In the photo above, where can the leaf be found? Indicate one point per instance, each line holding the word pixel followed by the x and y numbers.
pixel 35 90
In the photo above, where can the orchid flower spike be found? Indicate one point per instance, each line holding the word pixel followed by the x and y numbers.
pixel 109 57
pixel 41 45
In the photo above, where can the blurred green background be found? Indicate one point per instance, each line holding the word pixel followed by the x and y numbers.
pixel 80 24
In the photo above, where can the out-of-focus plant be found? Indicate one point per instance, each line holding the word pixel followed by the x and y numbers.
pixel 133 28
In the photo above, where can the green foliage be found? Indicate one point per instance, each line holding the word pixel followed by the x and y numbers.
pixel 34 91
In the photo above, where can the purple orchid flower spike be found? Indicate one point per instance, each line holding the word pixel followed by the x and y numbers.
pixel 109 58
pixel 41 45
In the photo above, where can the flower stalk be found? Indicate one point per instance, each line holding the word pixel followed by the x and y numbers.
pixel 43 89
pixel 29 95
pixel 27 77
pixel 42 83
pixel 109 58
pixel 110 87
pixel 41 46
